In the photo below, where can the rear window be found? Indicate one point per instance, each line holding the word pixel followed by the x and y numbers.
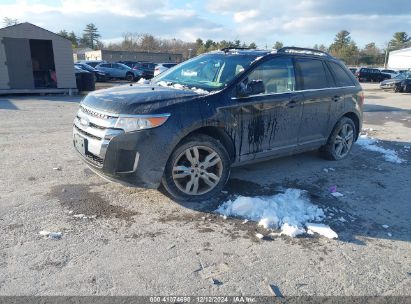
pixel 312 74
pixel 342 79
pixel 169 65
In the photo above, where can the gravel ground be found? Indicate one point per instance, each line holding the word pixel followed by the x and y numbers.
pixel 140 242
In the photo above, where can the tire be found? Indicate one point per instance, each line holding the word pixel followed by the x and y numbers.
pixel 193 180
pixel 398 89
pixel 338 147
pixel 130 77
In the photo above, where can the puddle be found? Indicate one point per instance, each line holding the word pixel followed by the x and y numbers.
pixel 79 199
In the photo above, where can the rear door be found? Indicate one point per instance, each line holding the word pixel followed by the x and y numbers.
pixel 18 61
pixel 344 92
pixel 315 82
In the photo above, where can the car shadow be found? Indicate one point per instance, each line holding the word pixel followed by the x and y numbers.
pixel 6 104
pixel 379 108
pixel 50 97
pixel 376 192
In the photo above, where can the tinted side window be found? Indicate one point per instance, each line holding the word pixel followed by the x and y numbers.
pixel 312 74
pixel 342 79
pixel 277 75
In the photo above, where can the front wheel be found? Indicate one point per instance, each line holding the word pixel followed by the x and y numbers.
pixel 130 77
pixel 341 140
pixel 197 169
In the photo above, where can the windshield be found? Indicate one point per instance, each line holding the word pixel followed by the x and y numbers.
pixel 209 72
pixel 87 67
pixel 406 75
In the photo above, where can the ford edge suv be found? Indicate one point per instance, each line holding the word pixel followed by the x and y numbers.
pixel 188 126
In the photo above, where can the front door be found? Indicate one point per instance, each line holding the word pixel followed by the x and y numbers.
pixel 268 123
pixel 19 63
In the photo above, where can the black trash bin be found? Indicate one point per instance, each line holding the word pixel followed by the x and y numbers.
pixel 85 81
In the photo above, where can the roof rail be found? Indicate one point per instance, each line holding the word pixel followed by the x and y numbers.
pixel 226 49
pixel 298 50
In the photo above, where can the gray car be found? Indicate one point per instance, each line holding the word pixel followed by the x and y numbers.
pixel 119 71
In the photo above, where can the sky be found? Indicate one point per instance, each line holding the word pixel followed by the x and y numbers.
pixel 294 22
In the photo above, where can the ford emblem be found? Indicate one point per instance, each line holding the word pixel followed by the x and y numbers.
pixel 84 122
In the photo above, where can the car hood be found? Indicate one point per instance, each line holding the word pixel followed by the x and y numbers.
pixel 136 98
pixel 391 81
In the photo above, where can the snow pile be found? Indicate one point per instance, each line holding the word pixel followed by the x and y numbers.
pixel 321 229
pixel 179 86
pixel 370 144
pixel 290 211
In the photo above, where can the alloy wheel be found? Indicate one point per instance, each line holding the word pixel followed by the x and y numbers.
pixel 197 170
pixel 344 140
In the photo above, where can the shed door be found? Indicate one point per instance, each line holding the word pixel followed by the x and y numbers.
pixel 18 61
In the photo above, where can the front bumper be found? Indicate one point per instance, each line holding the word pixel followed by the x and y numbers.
pixel 388 86
pixel 136 158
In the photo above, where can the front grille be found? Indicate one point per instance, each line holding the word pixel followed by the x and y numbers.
pixel 97 161
pixel 87 133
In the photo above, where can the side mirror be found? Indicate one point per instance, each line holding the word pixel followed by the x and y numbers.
pixel 254 87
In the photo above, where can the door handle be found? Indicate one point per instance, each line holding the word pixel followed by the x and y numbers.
pixel 292 104
pixel 336 98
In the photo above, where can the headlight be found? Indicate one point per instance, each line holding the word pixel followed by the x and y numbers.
pixel 129 124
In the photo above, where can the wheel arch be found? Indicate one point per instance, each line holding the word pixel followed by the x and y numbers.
pixel 217 133
pixel 354 117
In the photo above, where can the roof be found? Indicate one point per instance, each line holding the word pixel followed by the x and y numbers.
pixel 284 50
pixel 26 25
pixel 240 51
pixel 406 50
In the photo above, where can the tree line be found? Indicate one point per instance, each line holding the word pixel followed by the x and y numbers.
pixel 343 46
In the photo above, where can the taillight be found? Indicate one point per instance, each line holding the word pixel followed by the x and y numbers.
pixel 361 98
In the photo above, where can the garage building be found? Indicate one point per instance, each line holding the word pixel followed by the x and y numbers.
pixel 400 60
pixel 113 56
pixel 35 60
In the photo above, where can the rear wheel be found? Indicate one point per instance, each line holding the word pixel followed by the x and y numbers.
pixel 197 169
pixel 341 140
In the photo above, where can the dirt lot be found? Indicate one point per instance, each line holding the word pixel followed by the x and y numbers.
pixel 139 242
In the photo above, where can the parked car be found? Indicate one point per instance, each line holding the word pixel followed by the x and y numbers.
pixel 187 127
pixel 390 73
pixel 353 70
pixel 370 75
pixel 98 75
pixel 119 71
pixel 400 83
pixel 161 67
pixel 145 68
pixel 92 63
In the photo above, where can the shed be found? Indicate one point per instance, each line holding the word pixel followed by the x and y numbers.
pixel 400 60
pixel 35 60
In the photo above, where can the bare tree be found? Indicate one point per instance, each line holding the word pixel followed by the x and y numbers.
pixel 9 21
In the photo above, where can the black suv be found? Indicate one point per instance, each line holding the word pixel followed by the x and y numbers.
pixel 188 126
pixel 370 75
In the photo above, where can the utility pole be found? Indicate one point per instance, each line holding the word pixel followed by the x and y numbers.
pixel 386 55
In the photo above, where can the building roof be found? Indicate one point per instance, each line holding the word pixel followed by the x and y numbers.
pixel 406 50
pixel 10 30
